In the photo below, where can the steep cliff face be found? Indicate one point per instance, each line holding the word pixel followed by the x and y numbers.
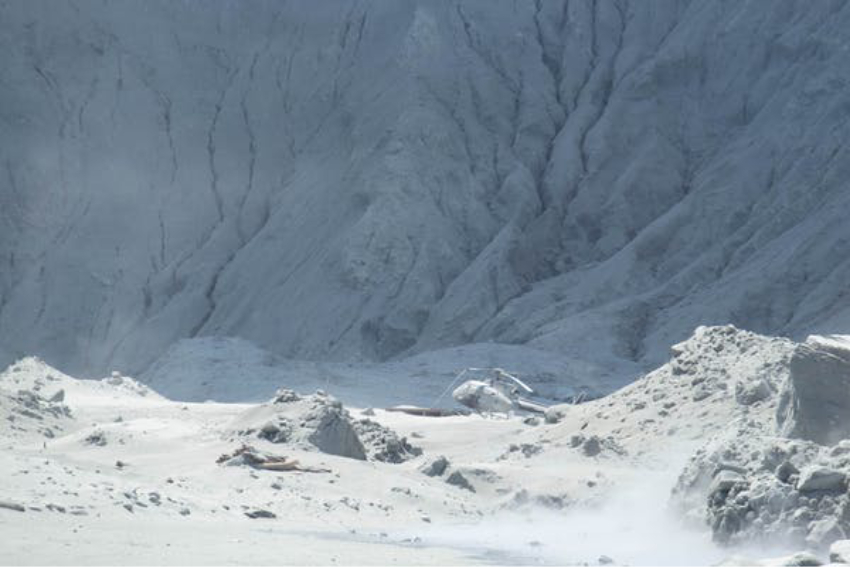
pixel 365 180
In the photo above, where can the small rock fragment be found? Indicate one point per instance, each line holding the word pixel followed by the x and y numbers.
pixel 748 394
pixel 591 446
pixel 11 506
pixel 255 514
pixel 96 438
pixel 436 467
pixel 785 471
pixel 457 479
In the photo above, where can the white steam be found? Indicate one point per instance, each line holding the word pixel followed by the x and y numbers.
pixel 632 526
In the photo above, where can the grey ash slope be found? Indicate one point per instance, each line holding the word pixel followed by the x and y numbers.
pixel 369 180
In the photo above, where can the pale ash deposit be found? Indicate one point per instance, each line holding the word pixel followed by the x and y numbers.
pixel 724 454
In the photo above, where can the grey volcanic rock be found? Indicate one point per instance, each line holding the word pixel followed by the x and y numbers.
pixel 760 505
pixel 815 478
pixel 435 467
pixel 458 479
pixel 333 432
pixel 815 404
pixel 321 421
pixel 748 484
pixel 362 180
pixel 383 444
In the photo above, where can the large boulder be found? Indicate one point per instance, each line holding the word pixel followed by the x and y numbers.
pixel 331 431
pixel 814 478
pixel 815 403
pixel 321 421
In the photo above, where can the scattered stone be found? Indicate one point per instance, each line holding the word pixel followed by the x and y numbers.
pixel 591 446
pixel 436 467
pixel 457 479
pixel 255 514
pixel 748 394
pixel 383 444
pixel 7 505
pixel 368 412
pixel 785 471
pixel 58 397
pixel 821 478
pixel 532 421
pixel 702 392
pixel 285 396
pixel 185 512
pixel 279 432
pixel 824 532
pixel 96 438
pixel 526 449
pixel 725 480
pixel 605 560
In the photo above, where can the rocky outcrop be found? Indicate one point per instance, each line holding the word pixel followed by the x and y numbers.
pixel 760 489
pixel 815 404
pixel 320 421
pixel 780 474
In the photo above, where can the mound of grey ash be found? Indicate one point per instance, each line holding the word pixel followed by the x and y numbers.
pixel 321 422
pixel 782 478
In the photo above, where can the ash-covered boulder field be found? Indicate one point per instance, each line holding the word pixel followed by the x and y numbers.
pixel 729 453
pixel 363 181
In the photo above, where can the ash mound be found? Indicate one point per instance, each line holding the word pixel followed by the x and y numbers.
pixel 26 412
pixel 779 473
pixel 32 406
pixel 320 421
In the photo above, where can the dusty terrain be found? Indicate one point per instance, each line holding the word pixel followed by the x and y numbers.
pixel 109 471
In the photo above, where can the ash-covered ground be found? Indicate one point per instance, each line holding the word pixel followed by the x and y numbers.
pixel 734 451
